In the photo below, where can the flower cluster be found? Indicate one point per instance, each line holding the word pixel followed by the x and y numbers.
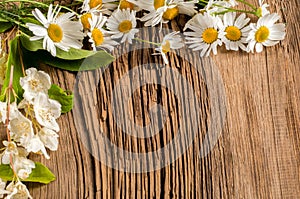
pixel 109 23
pixel 27 110
pixel 31 127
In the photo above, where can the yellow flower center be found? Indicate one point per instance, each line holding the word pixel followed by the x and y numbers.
pixel 171 13
pixel 262 34
pixel 11 146
pixel 125 26
pixel 97 36
pixel 158 4
pixel 55 32
pixel 95 3
pixel 85 20
pixel 210 35
pixel 125 4
pixel 233 33
pixel 166 47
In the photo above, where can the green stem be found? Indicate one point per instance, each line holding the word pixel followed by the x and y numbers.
pixel 233 10
pixel 69 9
pixel 248 4
pixel 148 42
pixel 26 1
pixel 12 20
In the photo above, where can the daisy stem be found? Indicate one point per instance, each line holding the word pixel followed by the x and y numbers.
pixel 69 9
pixel 148 42
pixel 27 1
pixel 10 19
pixel 248 4
pixel 232 10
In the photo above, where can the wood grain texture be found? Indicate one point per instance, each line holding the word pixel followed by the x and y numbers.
pixel 256 156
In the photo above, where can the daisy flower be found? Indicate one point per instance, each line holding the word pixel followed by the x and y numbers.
pixel 98 36
pixel 262 10
pixel 122 24
pixel 216 6
pixel 170 41
pixel 205 35
pixel 125 4
pixel 162 11
pixel 103 6
pixel 236 31
pixel 56 31
pixel 265 32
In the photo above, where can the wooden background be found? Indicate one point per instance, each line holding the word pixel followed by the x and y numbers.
pixel 256 156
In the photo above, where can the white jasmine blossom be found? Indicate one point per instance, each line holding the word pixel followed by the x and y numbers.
pixel 56 30
pixel 2 188
pixel 47 111
pixel 34 82
pixel 49 138
pixel 35 145
pixel 21 129
pixel 13 113
pixel 18 191
pixel 23 166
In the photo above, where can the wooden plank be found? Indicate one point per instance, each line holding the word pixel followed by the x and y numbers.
pixel 257 155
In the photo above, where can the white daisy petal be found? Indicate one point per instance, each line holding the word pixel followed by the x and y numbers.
pixel 56 31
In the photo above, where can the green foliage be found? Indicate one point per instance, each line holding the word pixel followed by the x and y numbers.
pixel 39 174
pixel 73 60
pixel 4 25
pixel 63 97
pixel 13 60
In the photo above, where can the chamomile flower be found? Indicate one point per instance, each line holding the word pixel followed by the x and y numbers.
pixel 125 4
pixel 56 31
pixel 265 32
pixel 205 35
pixel 103 6
pixel 236 31
pixel 121 24
pixel 162 11
pixel 217 6
pixel 98 36
pixel 263 8
pixel 170 41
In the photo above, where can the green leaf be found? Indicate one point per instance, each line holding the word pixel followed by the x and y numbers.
pixel 30 45
pixel 72 54
pixel 39 174
pixel 6 173
pixel 4 26
pixel 95 61
pixel 63 97
pixel 73 60
pixel 14 60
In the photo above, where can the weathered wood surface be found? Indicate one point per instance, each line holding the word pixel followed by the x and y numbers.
pixel 256 156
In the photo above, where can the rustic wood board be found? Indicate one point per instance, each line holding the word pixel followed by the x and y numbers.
pixel 256 156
